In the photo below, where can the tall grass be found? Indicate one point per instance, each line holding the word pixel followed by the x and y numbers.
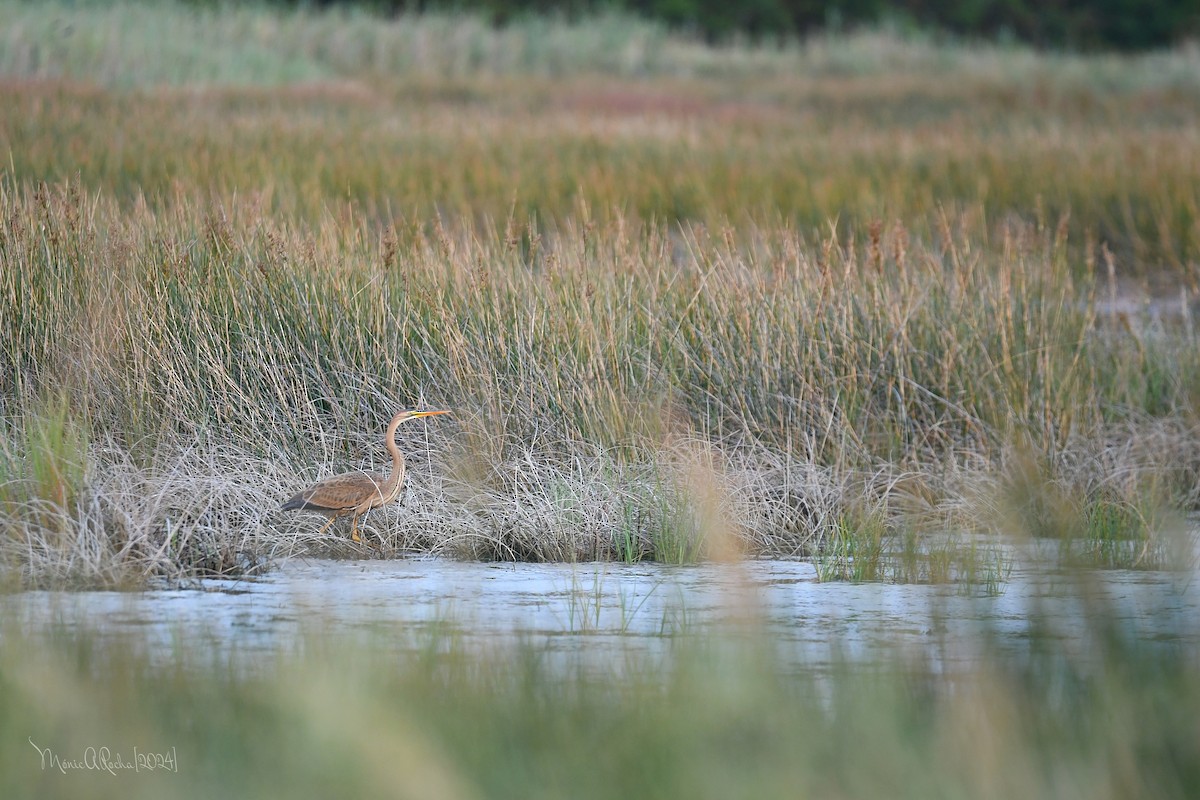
pixel 604 378
pixel 203 316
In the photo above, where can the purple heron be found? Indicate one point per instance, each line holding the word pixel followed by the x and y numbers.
pixel 356 493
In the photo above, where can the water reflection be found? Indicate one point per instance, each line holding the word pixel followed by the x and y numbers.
pixel 598 609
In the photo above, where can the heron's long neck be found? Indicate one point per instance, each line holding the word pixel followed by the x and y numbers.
pixel 392 487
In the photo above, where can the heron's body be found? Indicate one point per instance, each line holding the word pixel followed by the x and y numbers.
pixel 355 493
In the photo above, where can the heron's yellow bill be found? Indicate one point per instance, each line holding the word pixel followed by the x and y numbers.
pixel 428 413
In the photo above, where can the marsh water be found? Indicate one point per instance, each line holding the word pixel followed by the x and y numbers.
pixel 595 611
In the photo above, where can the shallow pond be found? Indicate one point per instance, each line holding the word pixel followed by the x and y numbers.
pixel 597 610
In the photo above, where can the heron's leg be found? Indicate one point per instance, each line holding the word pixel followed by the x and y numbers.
pixel 325 527
pixel 354 530
pixel 367 514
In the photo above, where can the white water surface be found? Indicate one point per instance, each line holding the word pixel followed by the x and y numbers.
pixel 601 610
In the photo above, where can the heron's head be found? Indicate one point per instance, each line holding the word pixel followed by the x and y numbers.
pixel 406 415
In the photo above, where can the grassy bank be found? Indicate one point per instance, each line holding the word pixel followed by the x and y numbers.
pixel 619 392
pixel 711 301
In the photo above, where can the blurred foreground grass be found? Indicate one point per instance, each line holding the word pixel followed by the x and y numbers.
pixel 715 715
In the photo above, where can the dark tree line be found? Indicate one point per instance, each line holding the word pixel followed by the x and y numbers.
pixel 1076 24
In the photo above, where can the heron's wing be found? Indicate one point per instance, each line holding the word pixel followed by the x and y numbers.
pixel 339 493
